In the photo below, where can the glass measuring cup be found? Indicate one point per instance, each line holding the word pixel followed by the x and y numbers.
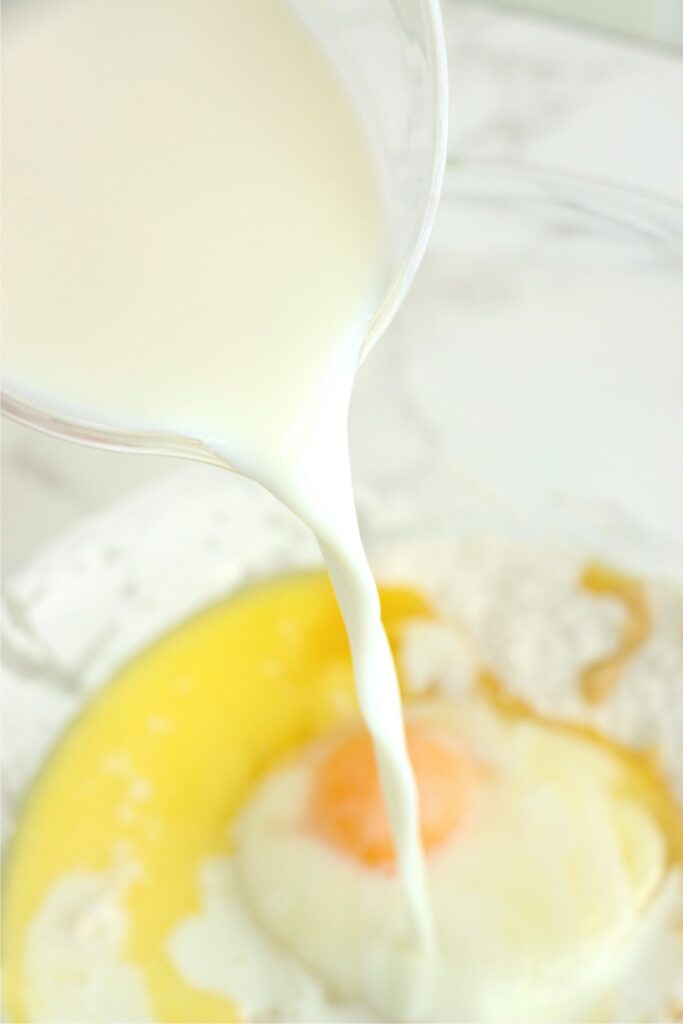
pixel 391 55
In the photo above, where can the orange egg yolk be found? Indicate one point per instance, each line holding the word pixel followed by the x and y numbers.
pixel 347 806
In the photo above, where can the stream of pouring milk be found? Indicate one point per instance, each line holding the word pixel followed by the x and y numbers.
pixel 194 242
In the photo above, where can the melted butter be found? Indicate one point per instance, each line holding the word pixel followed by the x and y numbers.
pixel 600 679
pixel 158 764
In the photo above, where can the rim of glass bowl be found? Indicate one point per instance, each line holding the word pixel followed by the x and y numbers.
pixel 648 213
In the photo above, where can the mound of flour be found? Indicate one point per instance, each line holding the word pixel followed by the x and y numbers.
pixel 522 613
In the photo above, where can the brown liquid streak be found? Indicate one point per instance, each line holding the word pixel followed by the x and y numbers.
pixel 600 679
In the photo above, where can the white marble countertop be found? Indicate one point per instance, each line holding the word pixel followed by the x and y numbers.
pixel 522 90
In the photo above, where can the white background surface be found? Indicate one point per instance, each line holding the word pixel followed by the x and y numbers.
pixel 660 20
pixel 521 90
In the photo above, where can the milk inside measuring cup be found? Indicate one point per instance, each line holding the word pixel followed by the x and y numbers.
pixel 195 241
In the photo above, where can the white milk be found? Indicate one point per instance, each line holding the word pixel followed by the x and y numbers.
pixel 194 241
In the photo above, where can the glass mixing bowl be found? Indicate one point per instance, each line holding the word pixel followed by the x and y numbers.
pixel 529 387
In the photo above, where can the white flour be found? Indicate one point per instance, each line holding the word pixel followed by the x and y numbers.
pixel 521 612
